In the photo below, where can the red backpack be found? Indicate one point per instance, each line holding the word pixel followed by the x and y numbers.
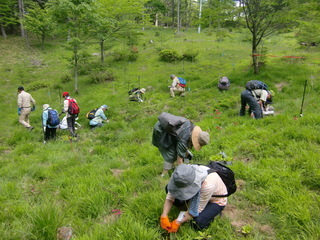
pixel 73 108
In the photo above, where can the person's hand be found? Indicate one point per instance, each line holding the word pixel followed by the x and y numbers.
pixel 19 111
pixel 33 108
pixel 44 128
pixel 174 226
pixel 165 223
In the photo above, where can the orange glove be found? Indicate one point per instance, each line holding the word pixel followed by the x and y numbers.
pixel 165 223
pixel 174 227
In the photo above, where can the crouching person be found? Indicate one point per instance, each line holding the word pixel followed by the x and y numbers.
pixel 99 117
pixel 192 188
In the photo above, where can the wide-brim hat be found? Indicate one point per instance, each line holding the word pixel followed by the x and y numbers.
pixel 186 181
pixel 45 106
pixel 199 138
pixel 143 90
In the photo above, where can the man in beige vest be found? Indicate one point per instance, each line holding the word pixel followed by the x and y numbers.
pixel 26 104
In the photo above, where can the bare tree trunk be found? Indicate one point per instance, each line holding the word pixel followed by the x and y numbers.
pixel 178 17
pixel 76 69
pixel 157 20
pixel 21 16
pixel 3 31
pixel 101 50
pixel 254 54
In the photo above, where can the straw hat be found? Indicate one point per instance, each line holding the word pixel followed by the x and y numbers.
pixel 199 138
pixel 143 90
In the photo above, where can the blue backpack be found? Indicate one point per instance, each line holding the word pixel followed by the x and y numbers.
pixel 53 118
pixel 182 82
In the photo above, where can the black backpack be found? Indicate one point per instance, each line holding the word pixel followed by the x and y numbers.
pixel 132 91
pixel 91 114
pixel 256 84
pixel 53 118
pixel 226 175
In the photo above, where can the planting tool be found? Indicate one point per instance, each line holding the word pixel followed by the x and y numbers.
pixel 304 92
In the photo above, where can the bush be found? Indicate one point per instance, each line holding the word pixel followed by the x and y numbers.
pixel 190 55
pixel 167 55
pixel 101 76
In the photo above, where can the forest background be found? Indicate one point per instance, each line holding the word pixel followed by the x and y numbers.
pixel 108 185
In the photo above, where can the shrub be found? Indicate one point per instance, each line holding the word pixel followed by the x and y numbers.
pixel 101 76
pixel 167 55
pixel 66 78
pixel 190 55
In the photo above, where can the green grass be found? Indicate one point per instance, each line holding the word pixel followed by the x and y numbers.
pixel 115 169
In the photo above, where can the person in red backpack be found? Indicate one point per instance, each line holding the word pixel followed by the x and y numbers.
pixel 71 118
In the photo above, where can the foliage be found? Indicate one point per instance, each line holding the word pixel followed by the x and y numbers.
pixel 107 185
pixel 168 55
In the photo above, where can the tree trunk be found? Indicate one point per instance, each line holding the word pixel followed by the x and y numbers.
pixel 178 17
pixel 21 15
pixel 101 50
pixel 76 69
pixel 3 31
pixel 157 20
pixel 254 54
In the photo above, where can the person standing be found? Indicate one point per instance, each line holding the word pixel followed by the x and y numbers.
pixel 174 136
pixel 99 117
pixel 175 86
pixel 26 104
pixel 49 130
pixel 71 117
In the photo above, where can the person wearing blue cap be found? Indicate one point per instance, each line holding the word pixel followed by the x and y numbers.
pixel 99 117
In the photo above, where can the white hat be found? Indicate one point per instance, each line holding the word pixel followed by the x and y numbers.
pixel 45 106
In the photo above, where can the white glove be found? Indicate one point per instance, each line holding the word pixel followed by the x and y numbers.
pixel 44 128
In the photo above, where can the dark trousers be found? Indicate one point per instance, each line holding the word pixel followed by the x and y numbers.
pixel 50 134
pixel 206 217
pixel 71 125
pixel 248 98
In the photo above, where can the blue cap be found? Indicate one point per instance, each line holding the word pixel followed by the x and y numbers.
pixel 104 106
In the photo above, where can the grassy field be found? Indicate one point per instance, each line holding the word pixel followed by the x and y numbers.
pixel 108 185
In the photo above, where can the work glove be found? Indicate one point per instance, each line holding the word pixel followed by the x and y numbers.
pixel 165 223
pixel 174 227
pixel 19 111
pixel 33 108
pixel 44 128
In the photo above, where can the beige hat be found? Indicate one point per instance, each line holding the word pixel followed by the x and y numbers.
pixel 45 106
pixel 199 138
pixel 143 90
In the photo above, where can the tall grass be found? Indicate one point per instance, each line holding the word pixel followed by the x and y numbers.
pixel 107 185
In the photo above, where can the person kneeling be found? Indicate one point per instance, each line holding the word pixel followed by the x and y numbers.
pixel 191 186
pixel 99 117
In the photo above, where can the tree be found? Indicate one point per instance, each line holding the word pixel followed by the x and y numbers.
pixel 114 17
pixel 309 22
pixel 38 21
pixel 155 8
pixel 7 16
pixel 263 18
pixel 75 18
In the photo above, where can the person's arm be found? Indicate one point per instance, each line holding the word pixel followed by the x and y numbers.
pixel 19 101
pixel 166 207
pixel 65 105
pixel 44 118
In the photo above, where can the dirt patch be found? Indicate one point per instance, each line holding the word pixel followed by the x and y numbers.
pixel 240 218
pixel 240 184
pixel 280 86
pixel 116 172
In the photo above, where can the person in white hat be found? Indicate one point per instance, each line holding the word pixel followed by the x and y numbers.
pixel 201 194
pixel 99 117
pixel 137 95
pixel 174 136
